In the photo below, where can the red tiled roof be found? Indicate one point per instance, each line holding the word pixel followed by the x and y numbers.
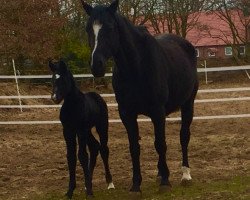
pixel 215 31
pixel 211 30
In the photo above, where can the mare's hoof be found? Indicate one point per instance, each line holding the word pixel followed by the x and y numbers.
pixel 134 195
pixel 165 188
pixel 69 195
pixel 111 186
pixel 186 182
pixel 89 196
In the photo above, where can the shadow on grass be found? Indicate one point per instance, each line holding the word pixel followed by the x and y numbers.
pixel 236 188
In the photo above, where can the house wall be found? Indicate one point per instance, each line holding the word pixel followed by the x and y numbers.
pixel 219 52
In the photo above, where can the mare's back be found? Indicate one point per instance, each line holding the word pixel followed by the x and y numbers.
pixel 178 47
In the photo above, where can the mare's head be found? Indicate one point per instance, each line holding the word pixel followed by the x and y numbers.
pixel 62 81
pixel 103 35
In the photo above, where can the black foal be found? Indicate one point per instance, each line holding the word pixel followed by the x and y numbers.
pixel 79 114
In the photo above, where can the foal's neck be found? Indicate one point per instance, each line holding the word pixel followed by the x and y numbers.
pixel 73 95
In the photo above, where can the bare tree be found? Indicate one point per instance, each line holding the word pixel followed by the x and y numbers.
pixel 177 16
pixel 237 16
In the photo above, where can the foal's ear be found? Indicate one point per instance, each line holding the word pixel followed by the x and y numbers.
pixel 113 6
pixel 52 66
pixel 88 8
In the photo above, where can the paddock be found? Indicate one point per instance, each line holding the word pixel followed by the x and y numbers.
pixel 33 161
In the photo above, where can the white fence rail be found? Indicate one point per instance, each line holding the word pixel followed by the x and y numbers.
pixel 173 119
pixel 211 69
pixel 241 89
pixel 115 104
pixel 215 69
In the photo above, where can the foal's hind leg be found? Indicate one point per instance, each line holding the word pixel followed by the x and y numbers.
pixel 84 160
pixel 187 117
pixel 102 130
pixel 94 147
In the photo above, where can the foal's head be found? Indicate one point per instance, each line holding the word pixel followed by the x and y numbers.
pixel 62 81
pixel 103 35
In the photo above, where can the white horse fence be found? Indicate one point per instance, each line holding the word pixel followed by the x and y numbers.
pixel 200 70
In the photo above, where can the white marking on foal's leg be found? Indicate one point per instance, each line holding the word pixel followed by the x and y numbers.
pixel 96 28
pixel 111 186
pixel 57 76
pixel 186 174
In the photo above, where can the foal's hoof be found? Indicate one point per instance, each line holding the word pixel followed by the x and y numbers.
pixel 111 186
pixel 135 189
pixel 186 182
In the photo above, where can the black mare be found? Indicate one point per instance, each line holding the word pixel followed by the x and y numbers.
pixel 152 76
pixel 79 114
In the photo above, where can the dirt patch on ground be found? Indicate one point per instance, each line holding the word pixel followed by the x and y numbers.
pixel 33 161
pixel 33 157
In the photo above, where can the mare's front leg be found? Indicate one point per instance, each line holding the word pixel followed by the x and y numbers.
pixel 84 161
pixel 130 122
pixel 158 118
pixel 70 139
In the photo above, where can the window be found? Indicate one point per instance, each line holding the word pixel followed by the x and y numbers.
pixel 197 52
pixel 228 51
pixel 242 50
pixel 211 54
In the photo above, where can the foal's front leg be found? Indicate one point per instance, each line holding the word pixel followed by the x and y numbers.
pixel 131 125
pixel 70 138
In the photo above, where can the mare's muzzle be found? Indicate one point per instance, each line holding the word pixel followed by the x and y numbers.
pixel 98 67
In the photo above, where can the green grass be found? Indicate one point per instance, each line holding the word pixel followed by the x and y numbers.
pixel 235 189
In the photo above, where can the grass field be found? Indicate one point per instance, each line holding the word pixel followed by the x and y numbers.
pixel 237 188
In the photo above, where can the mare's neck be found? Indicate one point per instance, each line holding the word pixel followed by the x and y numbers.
pixel 127 58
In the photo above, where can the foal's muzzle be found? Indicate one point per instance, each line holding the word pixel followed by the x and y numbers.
pixel 55 99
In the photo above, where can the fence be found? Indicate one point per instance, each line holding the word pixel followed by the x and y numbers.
pixel 215 69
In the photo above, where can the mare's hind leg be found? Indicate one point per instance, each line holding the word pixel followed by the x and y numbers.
pixel 158 119
pixel 187 116
pixel 94 147
pixel 102 130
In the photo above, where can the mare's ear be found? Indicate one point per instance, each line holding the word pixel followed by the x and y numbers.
pixel 52 66
pixel 88 8
pixel 113 6
pixel 63 67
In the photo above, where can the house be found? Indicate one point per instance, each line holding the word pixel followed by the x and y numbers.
pixel 215 39
pixel 212 36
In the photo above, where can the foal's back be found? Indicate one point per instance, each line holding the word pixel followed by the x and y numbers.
pixel 96 110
